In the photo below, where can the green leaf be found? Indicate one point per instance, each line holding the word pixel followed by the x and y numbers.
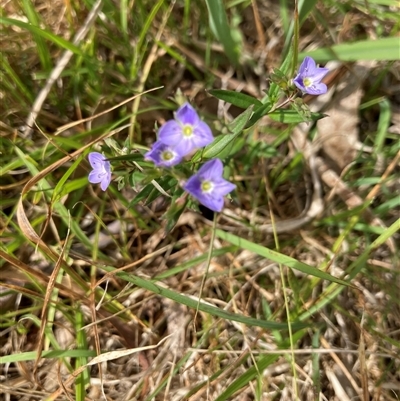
pixel 278 257
pixel 59 189
pixel 250 374
pixel 259 113
pixel 62 211
pixel 236 98
pixel 221 142
pixel 380 49
pixel 234 147
pixel 194 262
pixel 393 3
pixel 15 78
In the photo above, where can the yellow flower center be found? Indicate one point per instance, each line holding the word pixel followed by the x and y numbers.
pixel 207 186
pixel 167 155
pixel 307 82
pixel 187 131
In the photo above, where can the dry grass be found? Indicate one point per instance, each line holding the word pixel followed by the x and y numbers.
pixel 70 295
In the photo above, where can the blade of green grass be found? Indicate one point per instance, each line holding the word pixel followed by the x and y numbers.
pixel 35 20
pixel 333 290
pixel 251 373
pixel 15 78
pixel 382 49
pixel 59 207
pixel 383 125
pixel 278 257
pixel 236 98
pixel 83 378
pixel 221 29
pixel 193 303
pixel 56 354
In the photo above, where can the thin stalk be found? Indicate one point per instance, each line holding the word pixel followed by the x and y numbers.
pixel 295 42
pixel 293 360
pixel 209 256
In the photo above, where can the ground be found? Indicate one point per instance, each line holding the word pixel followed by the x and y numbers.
pixel 140 293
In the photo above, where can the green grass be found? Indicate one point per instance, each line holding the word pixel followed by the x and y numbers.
pixel 131 276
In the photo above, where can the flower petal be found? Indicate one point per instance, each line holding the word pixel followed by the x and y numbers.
pixel 96 176
pixel 170 133
pixel 96 160
pixel 214 203
pixel 186 114
pixel 307 67
pixel 193 186
pixel 212 170
pixel 185 146
pixel 223 187
pixel 317 89
pixel 298 81
pixel 105 182
pixel 319 74
pixel 202 135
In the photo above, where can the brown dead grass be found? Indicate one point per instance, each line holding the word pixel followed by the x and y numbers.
pixel 356 358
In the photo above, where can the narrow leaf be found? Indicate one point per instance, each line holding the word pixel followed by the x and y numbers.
pixel 193 303
pixel 278 257
pixel 236 98
pixel 221 29
pixel 222 141
pixel 380 49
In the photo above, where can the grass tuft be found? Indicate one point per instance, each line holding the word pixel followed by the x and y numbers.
pixel 138 292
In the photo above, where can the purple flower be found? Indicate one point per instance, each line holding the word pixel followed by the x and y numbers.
pixel 101 172
pixel 187 132
pixel 309 77
pixel 208 186
pixel 163 155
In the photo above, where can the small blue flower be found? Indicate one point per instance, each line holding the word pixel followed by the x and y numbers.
pixel 101 172
pixel 186 132
pixel 163 155
pixel 208 186
pixel 309 77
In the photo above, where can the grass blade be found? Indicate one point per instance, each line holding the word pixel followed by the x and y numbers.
pixel 221 29
pixel 278 257
pixel 379 49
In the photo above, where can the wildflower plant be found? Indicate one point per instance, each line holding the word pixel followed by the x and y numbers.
pixel 186 158
pixel 91 190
